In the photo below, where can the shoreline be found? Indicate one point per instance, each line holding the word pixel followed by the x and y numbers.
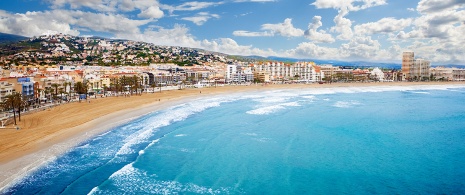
pixel 44 135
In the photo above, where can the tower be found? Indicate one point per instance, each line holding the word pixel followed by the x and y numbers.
pixel 408 59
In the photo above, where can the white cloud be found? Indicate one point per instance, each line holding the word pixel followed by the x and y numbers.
pixel 99 5
pixel 177 36
pixel 318 36
pixel 190 6
pixel 349 5
pixel 242 33
pixel 201 18
pixel 285 29
pixel 444 25
pixel 411 9
pixel 431 6
pixel 260 1
pixel 360 47
pixel 66 21
pixel 385 25
pixel 229 46
pixel 311 50
pixel 151 12
pixel 343 26
pixel 33 23
pixel 131 5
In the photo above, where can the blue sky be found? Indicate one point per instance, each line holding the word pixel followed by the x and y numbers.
pixel 369 30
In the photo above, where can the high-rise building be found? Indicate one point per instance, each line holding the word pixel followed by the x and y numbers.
pixel 407 64
pixel 414 69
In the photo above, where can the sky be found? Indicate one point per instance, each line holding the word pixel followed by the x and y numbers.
pixel 350 30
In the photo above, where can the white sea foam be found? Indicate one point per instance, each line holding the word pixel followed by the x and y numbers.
pixel 272 100
pixel 263 139
pixel 291 104
pixel 251 134
pixel 176 113
pixel 272 109
pixel 346 104
pixel 180 135
pixel 130 180
pixel 266 110
pixel 324 91
pixel 311 97
pixel 94 190
pixel 421 92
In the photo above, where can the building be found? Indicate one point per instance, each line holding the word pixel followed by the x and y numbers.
pixel 448 74
pixel 27 88
pixel 421 69
pixel 6 88
pixel 278 71
pixel 377 74
pixel 407 64
pixel 415 69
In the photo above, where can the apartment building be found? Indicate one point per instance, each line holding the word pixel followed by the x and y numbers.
pixel 278 71
pixel 415 69
pixel 6 88
pixel 448 74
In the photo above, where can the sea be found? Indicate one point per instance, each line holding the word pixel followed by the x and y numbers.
pixel 341 140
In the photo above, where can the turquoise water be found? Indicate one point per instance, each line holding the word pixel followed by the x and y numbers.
pixel 370 140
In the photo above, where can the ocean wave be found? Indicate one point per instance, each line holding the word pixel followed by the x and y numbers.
pixel 272 109
pixel 153 122
pixel 266 110
pixel 251 134
pixel 326 91
pixel 421 92
pixel 346 104
pixel 130 180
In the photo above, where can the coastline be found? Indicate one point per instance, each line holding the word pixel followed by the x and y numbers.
pixel 49 133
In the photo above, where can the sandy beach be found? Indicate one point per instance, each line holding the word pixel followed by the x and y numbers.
pixel 48 133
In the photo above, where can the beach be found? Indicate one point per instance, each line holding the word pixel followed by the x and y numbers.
pixel 48 133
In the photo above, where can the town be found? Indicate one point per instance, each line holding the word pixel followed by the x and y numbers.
pixel 61 68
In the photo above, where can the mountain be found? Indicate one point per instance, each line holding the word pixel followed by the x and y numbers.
pixel 5 38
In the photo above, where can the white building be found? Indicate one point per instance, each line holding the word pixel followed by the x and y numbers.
pixel 377 74
pixel 300 71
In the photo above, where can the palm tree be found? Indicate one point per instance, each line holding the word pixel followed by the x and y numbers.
pixel 80 89
pixel 9 104
pixel 87 85
pixel 153 85
pixel 22 103
pixel 14 101
pixel 55 85
pixel 61 92
pixel 104 88
pixel 47 93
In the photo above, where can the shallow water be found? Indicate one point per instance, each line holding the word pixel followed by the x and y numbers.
pixel 366 140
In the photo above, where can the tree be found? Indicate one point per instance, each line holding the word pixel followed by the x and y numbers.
pixel 12 102
pixel 55 85
pixel 9 104
pixel 38 92
pixel 153 85
pixel 104 88
pixel 61 93
pixel 80 89
pixel 47 93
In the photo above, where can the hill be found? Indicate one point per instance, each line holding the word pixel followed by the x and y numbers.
pixel 7 38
